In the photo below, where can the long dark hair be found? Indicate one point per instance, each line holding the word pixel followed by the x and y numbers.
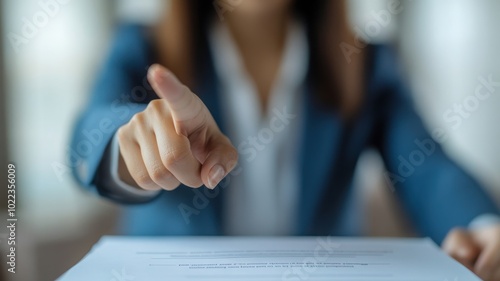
pixel 336 82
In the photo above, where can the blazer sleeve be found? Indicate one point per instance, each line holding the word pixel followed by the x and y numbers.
pixel 120 92
pixel 436 193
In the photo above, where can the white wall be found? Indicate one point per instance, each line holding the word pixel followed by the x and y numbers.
pixel 49 76
pixel 446 46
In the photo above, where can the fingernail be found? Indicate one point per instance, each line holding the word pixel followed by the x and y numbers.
pixel 215 176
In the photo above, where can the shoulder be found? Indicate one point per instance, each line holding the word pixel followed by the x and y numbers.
pixel 384 72
pixel 126 63
pixel 131 46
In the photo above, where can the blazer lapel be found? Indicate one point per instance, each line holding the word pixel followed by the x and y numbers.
pixel 319 151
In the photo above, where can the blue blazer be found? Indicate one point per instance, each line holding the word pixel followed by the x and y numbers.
pixel 435 193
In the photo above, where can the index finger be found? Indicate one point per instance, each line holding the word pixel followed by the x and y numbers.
pixel 188 111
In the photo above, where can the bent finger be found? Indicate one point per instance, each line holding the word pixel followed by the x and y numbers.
pixel 152 160
pixel 175 154
pixel 460 246
pixel 132 157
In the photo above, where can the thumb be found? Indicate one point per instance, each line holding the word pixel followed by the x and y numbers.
pixel 460 245
pixel 188 111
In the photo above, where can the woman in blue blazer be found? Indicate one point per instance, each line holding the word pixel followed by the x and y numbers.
pixel 248 117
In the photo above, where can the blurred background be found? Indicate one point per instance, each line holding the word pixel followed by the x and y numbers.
pixel 49 62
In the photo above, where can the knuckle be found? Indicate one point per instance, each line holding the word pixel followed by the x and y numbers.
pixel 138 118
pixel 174 156
pixel 227 141
pixel 159 112
pixel 155 105
pixel 122 134
pixel 144 181
pixel 160 174
pixel 233 154
pixel 225 138
pixel 141 125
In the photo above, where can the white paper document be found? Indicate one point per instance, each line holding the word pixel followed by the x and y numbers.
pixel 259 258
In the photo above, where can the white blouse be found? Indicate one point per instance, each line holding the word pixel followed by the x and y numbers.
pixel 262 199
